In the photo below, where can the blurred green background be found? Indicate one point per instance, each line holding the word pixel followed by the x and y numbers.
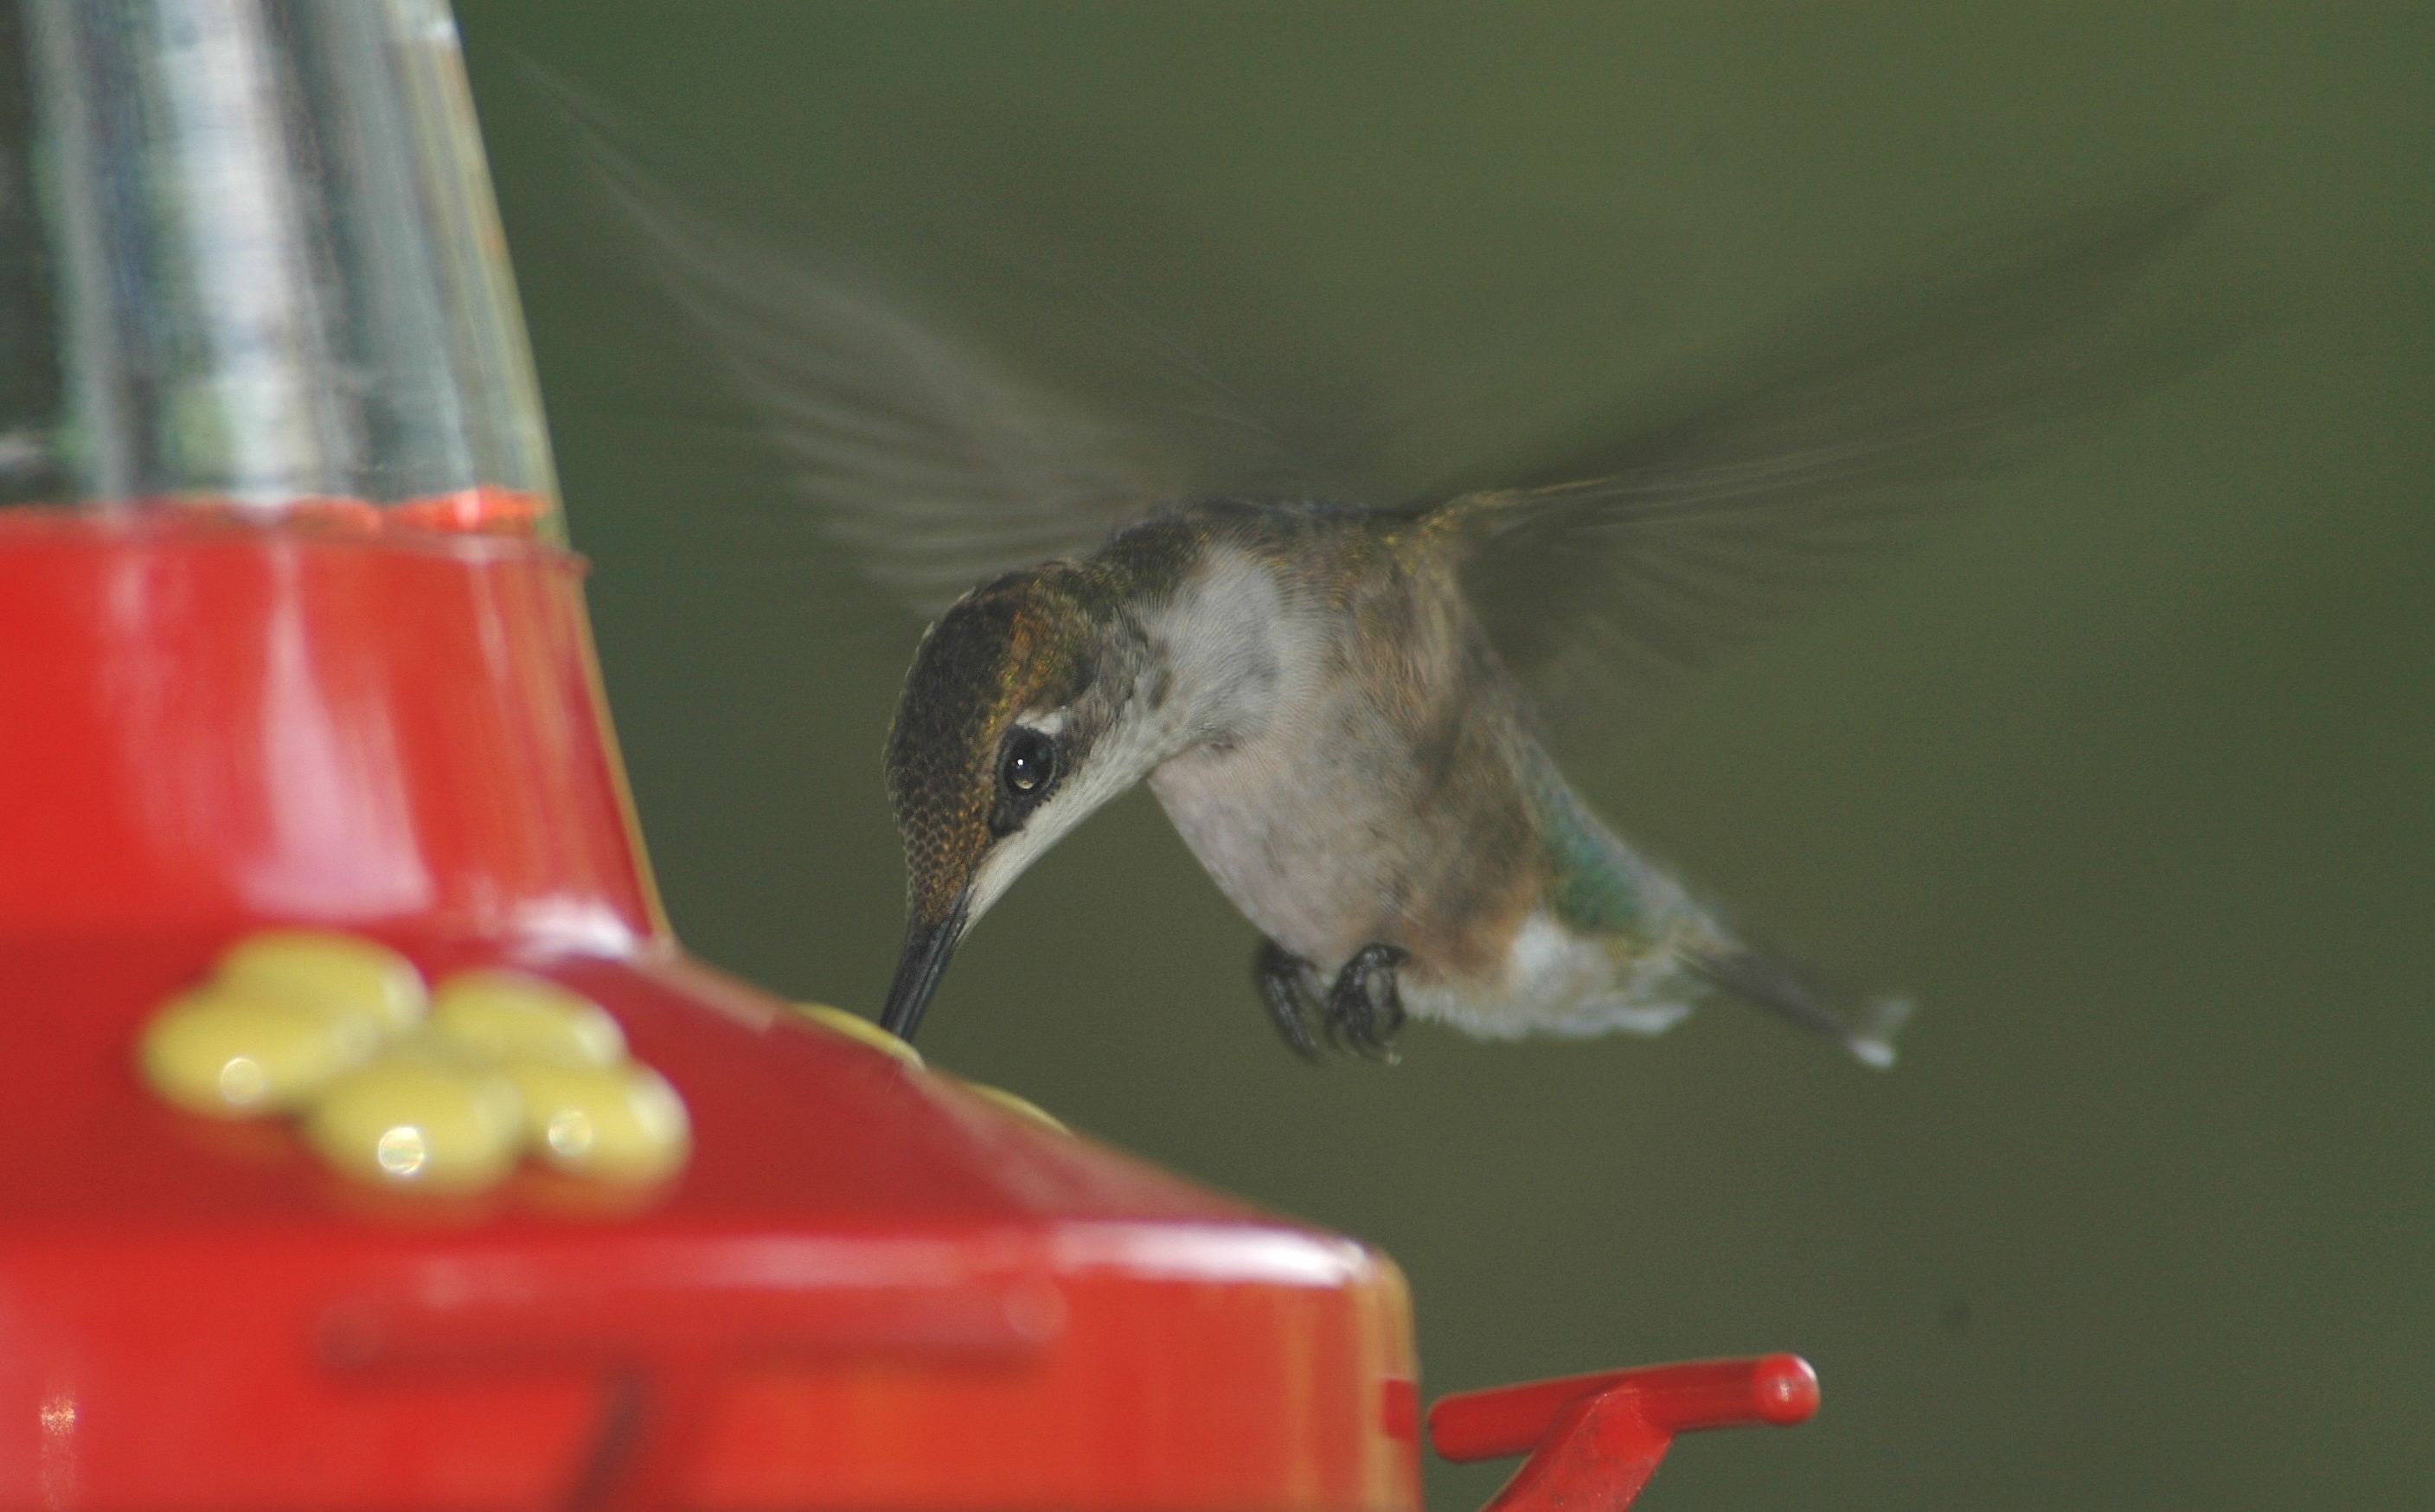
pixel 2128 775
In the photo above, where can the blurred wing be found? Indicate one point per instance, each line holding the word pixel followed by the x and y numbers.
pixel 935 468
pixel 1659 551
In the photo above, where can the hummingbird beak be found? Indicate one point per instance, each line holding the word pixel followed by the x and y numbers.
pixel 927 946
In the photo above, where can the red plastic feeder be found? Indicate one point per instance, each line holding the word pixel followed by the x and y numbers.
pixel 309 654
pixel 868 1286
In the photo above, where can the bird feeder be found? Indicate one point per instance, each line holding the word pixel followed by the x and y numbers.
pixel 375 1143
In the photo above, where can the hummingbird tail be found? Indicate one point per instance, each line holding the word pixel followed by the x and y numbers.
pixel 1867 1031
pixel 1874 1029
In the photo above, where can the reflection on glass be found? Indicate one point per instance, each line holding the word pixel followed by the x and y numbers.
pixel 249 262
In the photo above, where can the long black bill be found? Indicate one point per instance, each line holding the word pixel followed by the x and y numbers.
pixel 926 949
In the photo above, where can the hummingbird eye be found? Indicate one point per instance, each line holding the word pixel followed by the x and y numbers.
pixel 1027 767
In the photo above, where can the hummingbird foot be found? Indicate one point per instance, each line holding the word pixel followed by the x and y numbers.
pixel 1365 1007
pixel 1289 986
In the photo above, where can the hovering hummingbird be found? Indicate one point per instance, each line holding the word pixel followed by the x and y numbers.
pixel 1327 696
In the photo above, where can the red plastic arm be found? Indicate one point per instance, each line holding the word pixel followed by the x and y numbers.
pixel 1594 1440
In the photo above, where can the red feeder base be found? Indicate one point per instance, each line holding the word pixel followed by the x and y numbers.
pixel 869 1287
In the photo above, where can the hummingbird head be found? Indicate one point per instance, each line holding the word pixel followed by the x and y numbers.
pixel 1001 743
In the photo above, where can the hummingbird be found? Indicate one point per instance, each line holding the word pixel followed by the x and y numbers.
pixel 1336 702
pixel 1310 692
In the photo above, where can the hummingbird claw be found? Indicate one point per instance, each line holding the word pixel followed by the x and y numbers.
pixel 1364 1007
pixel 1287 986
